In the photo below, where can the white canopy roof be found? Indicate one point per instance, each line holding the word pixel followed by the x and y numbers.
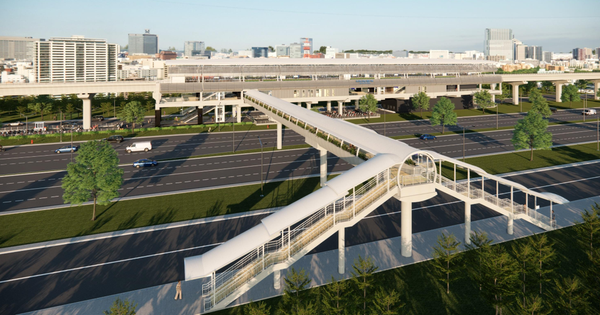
pixel 321 61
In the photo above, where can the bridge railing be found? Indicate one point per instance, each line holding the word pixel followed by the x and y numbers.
pixel 294 239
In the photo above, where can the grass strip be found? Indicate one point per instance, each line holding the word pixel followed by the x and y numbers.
pixel 67 222
pixel 423 292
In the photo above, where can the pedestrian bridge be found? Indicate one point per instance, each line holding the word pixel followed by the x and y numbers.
pixel 385 168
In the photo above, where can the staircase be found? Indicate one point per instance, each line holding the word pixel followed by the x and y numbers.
pixel 296 241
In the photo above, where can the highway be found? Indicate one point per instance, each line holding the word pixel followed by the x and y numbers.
pixel 36 190
pixel 41 278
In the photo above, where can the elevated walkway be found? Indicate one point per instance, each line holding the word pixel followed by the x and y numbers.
pixel 385 168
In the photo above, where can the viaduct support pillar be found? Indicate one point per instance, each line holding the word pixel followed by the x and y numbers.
pixel 277 279
pixel 87 109
pixel 596 88
pixel 406 227
pixel 323 159
pixel 328 106
pixel 157 96
pixel 239 113
pixel 515 92
pixel 279 135
pixel 200 111
pixel 341 107
pixel 467 223
pixel 559 85
pixel 356 105
pixel 157 117
pixel 342 251
pixel 308 105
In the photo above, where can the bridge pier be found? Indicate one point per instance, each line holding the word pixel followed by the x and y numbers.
pixel 356 104
pixel 279 135
pixel 341 107
pixel 515 93
pixel 328 106
pixel 277 279
pixel 308 105
pixel 467 222
pixel 87 109
pixel 200 111
pixel 596 88
pixel 558 85
pixel 239 113
pixel 342 251
pixel 406 227
pixel 157 117
pixel 323 162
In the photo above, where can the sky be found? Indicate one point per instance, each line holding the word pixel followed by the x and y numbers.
pixel 455 25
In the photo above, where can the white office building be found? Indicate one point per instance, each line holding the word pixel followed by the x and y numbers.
pixel 498 42
pixel 439 54
pixel 282 50
pixel 330 52
pixel 75 59
pixel 18 48
pixel 193 48
pixel 295 50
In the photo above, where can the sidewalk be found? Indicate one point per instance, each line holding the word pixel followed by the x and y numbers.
pixel 386 254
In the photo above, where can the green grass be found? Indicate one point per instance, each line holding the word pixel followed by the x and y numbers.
pixel 423 293
pixel 143 132
pixel 75 221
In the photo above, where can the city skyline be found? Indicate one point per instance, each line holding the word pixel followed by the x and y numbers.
pixel 443 26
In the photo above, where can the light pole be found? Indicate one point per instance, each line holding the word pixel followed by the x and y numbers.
pixel 60 127
pixel 463 144
pixel 261 167
pixel 598 134
pixel 114 107
pixel 384 114
pixel 497 105
pixel 71 143
pixel 233 136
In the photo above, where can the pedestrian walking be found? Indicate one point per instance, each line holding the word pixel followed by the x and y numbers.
pixel 178 291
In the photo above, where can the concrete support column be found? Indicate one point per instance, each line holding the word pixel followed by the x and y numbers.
pixel 157 117
pixel 200 111
pixel 340 107
pixel 239 113
pixel 279 135
pixel 510 226
pixel 323 159
pixel 494 98
pixel 493 86
pixel 328 106
pixel 342 251
pixel 515 92
pixel 558 91
pixel 356 104
pixel 277 279
pixel 87 109
pixel 406 227
pixel 467 223
pixel 308 105
pixel 596 88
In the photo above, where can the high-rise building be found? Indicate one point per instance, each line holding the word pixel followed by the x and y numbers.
pixel 330 52
pixel 193 48
pixel 143 43
pixel 498 42
pixel 75 59
pixel 307 46
pixel 260 52
pixel 282 50
pixel 547 56
pixel 538 53
pixel 533 52
pixel 295 50
pixel 520 52
pixel 19 48
pixel 582 53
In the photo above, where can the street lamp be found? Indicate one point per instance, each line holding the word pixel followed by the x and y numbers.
pixel 262 194
pixel 233 136
pixel 60 127
pixel 72 143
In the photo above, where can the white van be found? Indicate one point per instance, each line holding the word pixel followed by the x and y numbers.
pixel 589 111
pixel 139 146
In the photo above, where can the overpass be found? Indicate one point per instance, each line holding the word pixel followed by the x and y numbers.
pixel 385 168
pixel 213 82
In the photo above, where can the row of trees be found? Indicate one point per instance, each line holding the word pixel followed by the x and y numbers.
pixel 69 104
pixel 525 276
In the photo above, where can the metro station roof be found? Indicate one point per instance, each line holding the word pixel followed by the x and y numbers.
pixel 322 61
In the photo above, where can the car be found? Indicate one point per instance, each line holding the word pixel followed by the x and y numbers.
pixel 144 162
pixel 427 137
pixel 98 118
pixel 139 146
pixel 588 111
pixel 114 138
pixel 553 109
pixel 67 148
pixel 16 124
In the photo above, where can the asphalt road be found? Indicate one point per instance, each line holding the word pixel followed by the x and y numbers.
pixel 38 190
pixel 41 278
pixel 26 158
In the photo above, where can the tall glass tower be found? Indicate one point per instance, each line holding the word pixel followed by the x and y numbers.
pixel 498 42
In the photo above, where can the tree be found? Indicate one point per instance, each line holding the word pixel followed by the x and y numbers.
pixel 323 49
pixel 40 108
pixel 150 104
pixel 499 275
pixel 531 133
pixel 132 112
pixel 589 227
pixel 591 274
pixel 122 307
pixel 106 107
pixel 362 276
pixel 295 282
pixel 334 296
pixel 525 255
pixel 209 48
pixel 570 297
pixel 570 94
pixel 476 251
pixel 444 254
pixel 368 104
pixel 483 99
pixel 443 113
pixel 547 86
pixel 21 110
pixel 420 101
pixel 544 256
pixel 95 174
pixel 539 103
pixel 70 108
pixel 529 86
pixel 271 49
pixel 386 303
pixel 257 308
pixel 535 305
